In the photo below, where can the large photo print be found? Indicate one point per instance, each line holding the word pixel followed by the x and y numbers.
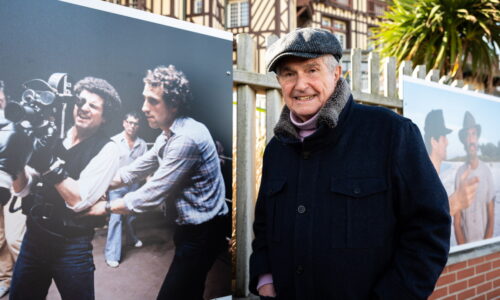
pixel 116 144
pixel 460 131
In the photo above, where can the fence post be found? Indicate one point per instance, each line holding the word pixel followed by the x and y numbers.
pixel 390 77
pixel 468 87
pixel 433 75
pixel 273 102
pixel 444 79
pixel 374 73
pixel 419 72
pixel 245 164
pixel 356 70
pixel 404 69
pixel 457 83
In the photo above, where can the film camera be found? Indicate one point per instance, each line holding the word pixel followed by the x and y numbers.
pixel 41 111
pixel 37 118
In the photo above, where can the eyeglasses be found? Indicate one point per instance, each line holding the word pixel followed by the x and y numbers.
pixel 131 123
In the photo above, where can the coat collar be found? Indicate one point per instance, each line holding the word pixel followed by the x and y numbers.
pixel 328 114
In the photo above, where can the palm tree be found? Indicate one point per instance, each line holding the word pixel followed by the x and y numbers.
pixel 448 35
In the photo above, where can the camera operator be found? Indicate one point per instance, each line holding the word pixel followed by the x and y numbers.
pixel 74 173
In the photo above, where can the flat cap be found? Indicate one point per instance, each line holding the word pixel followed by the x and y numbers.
pixel 303 42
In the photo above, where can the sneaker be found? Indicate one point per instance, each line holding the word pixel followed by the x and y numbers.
pixel 138 244
pixel 112 263
pixel 3 291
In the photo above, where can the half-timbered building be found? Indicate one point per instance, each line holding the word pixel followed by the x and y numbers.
pixel 350 20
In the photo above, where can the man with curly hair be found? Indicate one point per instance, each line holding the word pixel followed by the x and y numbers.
pixel 185 171
pixel 66 177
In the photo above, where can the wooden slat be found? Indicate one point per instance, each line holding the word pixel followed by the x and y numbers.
pixel 256 80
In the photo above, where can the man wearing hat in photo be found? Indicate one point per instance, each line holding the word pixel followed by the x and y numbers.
pixel 475 222
pixel 436 143
pixel 350 206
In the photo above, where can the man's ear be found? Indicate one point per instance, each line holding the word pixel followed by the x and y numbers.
pixel 338 72
pixel 434 142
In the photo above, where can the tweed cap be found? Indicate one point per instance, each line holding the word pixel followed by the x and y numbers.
pixel 303 42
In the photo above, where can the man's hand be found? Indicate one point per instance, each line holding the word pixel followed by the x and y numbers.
pixel 465 193
pixel 267 290
pixel 98 209
pixel 43 157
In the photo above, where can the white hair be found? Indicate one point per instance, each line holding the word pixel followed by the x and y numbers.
pixel 329 60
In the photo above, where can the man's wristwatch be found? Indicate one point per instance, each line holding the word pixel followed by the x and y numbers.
pixel 107 207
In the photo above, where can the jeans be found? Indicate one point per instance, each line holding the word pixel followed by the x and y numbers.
pixel 113 249
pixel 44 257
pixel 196 248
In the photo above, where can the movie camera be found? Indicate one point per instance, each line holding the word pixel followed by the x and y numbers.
pixel 38 117
pixel 41 110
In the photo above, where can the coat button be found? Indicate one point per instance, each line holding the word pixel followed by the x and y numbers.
pixel 357 190
pixel 301 209
pixel 299 270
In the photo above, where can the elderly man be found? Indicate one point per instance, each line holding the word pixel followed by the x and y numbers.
pixel 185 171
pixel 349 207
pixel 475 222
pixel 436 143
pixel 71 175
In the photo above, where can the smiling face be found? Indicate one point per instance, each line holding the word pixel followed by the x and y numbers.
pixel 158 114
pixel 471 142
pixel 89 116
pixel 307 84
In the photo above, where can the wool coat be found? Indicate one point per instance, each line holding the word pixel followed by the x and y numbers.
pixel 355 211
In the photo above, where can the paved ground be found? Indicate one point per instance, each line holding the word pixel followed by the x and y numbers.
pixel 142 270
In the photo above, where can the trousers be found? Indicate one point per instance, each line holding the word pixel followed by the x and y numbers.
pixel 113 249
pixel 196 249
pixel 12 229
pixel 43 257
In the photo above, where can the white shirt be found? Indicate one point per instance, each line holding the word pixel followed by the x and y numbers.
pixel 94 179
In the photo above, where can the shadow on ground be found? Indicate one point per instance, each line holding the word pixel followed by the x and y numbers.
pixel 142 270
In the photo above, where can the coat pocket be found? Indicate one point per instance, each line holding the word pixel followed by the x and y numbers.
pixel 275 194
pixel 365 205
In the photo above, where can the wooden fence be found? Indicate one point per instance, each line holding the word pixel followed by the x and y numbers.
pixel 382 91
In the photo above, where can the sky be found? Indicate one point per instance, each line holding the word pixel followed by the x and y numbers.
pixel 420 97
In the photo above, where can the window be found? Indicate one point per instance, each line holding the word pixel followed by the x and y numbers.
pixel 198 6
pixel 343 2
pixel 369 36
pixel 132 3
pixel 237 14
pixel 376 7
pixel 339 29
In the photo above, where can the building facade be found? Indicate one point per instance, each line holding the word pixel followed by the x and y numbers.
pixel 350 20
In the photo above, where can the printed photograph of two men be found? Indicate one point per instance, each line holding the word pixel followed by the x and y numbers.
pixel 460 132
pixel 115 145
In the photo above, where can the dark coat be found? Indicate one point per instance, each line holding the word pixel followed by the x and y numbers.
pixel 355 211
